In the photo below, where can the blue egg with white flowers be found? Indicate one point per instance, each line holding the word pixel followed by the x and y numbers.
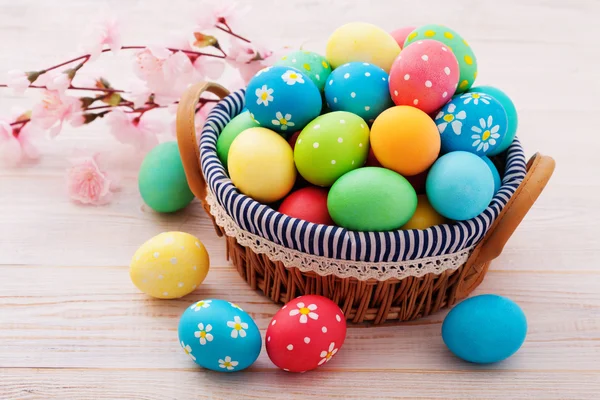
pixel 473 122
pixel 283 99
pixel 359 88
pixel 485 329
pixel 219 335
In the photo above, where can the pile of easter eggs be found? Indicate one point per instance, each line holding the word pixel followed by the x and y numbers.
pixel 384 132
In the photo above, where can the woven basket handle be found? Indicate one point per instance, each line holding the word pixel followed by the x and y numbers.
pixel 186 139
pixel 539 171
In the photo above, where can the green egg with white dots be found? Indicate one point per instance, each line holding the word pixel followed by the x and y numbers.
pixel 313 65
pixel 467 62
pixel 330 146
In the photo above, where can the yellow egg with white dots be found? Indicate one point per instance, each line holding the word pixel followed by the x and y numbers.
pixel 170 265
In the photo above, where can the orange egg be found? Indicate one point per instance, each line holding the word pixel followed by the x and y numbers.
pixel 425 216
pixel 405 139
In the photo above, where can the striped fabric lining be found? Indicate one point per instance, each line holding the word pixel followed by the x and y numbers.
pixel 336 242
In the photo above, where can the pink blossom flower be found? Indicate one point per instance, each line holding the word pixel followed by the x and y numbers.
pixel 87 183
pixel 54 110
pixel 17 80
pixel 207 67
pixel 242 52
pixel 129 128
pixel 55 80
pixel 165 73
pixel 16 142
pixel 224 12
pixel 107 32
pixel 204 66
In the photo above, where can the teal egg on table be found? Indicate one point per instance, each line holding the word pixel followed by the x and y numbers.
pixel 359 88
pixel 313 65
pixel 282 99
pixel 495 173
pixel 371 199
pixel 460 185
pixel 473 122
pixel 511 113
pixel 485 329
pixel 219 335
pixel 161 179
pixel 236 126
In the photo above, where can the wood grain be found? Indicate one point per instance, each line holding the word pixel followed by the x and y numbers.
pixel 72 325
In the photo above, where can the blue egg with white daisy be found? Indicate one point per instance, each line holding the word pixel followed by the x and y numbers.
pixel 283 99
pixel 219 335
pixel 473 122
pixel 359 88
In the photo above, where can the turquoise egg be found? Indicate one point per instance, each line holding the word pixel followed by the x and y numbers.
pixel 495 173
pixel 511 113
pixel 460 185
pixel 473 122
pixel 283 99
pixel 219 335
pixel 359 88
pixel 485 329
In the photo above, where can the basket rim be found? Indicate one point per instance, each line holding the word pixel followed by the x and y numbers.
pixel 371 247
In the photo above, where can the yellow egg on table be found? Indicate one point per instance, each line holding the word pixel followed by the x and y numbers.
pixel 261 165
pixel 359 41
pixel 425 216
pixel 170 265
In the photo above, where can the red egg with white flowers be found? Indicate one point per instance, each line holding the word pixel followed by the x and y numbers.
pixel 305 333
pixel 424 75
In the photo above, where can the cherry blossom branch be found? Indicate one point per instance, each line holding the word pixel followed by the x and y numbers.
pixel 229 31
pixel 71 87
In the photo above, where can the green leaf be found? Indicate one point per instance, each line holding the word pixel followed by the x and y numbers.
pixel 113 99
pixel 203 40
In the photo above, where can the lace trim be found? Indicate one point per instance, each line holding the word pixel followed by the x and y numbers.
pixel 323 266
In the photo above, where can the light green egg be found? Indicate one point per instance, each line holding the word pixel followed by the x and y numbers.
pixel 331 145
pixel 461 49
pixel 236 126
pixel 314 65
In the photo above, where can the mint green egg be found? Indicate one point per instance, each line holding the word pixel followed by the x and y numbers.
pixel 372 199
pixel 331 145
pixel 236 126
pixel 467 62
pixel 161 180
pixel 314 65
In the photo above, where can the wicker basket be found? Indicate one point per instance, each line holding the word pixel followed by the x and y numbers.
pixel 373 276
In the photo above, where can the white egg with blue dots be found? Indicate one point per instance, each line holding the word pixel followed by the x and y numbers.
pixel 282 98
pixel 359 88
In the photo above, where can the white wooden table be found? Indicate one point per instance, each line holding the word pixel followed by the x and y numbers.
pixel 73 326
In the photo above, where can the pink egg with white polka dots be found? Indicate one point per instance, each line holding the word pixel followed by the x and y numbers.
pixel 424 75
pixel 305 333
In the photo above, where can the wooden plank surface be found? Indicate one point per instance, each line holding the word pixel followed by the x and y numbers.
pixel 72 326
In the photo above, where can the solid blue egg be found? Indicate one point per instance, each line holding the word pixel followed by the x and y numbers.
pixel 283 99
pixel 459 185
pixel 359 88
pixel 473 122
pixel 495 173
pixel 511 113
pixel 219 335
pixel 485 329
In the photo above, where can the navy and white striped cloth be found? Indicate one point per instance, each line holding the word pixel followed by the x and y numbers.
pixel 339 243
